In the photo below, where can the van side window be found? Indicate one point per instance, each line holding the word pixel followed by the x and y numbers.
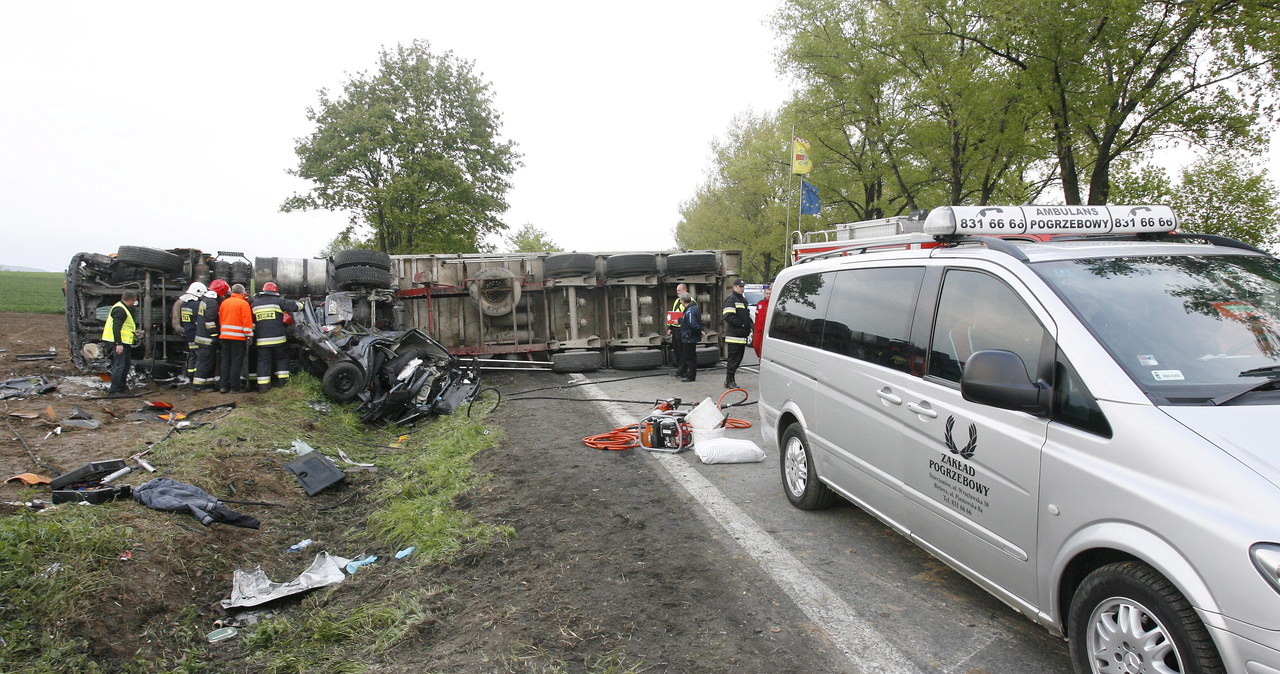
pixel 798 309
pixel 870 312
pixel 1073 405
pixel 977 311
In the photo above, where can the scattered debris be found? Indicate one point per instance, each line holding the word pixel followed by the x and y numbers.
pixel 221 634
pixel 319 406
pixel 90 424
pixel 157 405
pixel 77 413
pixel 170 495
pixel 355 564
pixel 300 545
pixel 29 478
pixel 405 552
pixel 251 588
pixel 85 484
pixel 40 355
pixel 315 472
pixel 25 415
pixel 21 387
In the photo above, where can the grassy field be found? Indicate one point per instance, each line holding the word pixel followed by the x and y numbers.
pixel 32 292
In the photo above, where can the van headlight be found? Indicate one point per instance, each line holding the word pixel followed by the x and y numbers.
pixel 1266 559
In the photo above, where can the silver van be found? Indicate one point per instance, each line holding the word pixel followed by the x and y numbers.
pixel 1074 407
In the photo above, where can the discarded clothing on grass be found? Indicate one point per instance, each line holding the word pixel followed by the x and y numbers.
pixel 251 588
pixel 21 387
pixel 163 493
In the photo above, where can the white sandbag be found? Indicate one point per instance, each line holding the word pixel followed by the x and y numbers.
pixel 727 450
pixel 707 434
pixel 705 415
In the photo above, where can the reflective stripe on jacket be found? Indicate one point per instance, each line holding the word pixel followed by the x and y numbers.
pixel 127 330
pixel 235 319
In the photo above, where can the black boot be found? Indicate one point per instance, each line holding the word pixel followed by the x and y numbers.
pixel 729 382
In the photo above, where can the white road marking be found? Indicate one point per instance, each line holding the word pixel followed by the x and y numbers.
pixel 866 649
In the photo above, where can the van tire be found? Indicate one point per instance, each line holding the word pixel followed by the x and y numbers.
pixel 799 477
pixel 640 359
pixel 150 258
pixel 343 381
pixel 1139 588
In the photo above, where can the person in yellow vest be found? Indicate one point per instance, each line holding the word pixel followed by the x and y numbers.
pixel 120 333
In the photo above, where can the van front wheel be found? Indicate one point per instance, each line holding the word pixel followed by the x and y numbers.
pixel 1127 617
pixel 799 479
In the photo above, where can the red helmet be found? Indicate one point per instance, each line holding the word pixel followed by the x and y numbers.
pixel 220 287
pixel 270 287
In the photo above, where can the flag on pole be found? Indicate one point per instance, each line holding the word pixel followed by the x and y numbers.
pixel 809 204
pixel 800 162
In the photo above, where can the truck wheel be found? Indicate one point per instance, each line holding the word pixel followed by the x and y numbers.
pixel 575 361
pixel 1127 611
pixel 799 478
pixel 362 257
pixel 496 290
pixel 150 258
pixel 631 264
pixel 707 355
pixel 641 359
pixel 568 264
pixel 354 277
pixel 692 263
pixel 343 381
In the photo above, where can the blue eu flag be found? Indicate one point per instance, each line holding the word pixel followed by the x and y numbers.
pixel 809 204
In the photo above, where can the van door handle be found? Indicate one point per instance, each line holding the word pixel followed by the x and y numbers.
pixel 888 396
pixel 923 409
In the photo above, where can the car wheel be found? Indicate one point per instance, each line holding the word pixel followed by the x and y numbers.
pixel 361 257
pixel 355 277
pixel 569 264
pixel 1125 616
pixel 150 258
pixel 640 359
pixel 799 478
pixel 343 381
pixel 631 264
pixel 575 361
pixel 692 263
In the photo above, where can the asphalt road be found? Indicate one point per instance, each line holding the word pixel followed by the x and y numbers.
pixel 887 604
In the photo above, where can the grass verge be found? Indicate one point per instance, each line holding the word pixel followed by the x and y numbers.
pixel 58 567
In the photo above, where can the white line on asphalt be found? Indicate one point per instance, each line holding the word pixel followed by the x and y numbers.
pixel 865 648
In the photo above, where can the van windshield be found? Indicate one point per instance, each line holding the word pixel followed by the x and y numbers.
pixel 1188 329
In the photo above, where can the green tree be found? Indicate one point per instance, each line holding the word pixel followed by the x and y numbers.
pixel 530 239
pixel 1217 194
pixel 412 152
pixel 1116 77
pixel 742 205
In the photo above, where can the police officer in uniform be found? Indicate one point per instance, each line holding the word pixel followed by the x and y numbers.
pixel 119 332
pixel 737 321
pixel 269 311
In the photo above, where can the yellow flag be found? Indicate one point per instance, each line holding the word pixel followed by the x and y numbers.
pixel 800 162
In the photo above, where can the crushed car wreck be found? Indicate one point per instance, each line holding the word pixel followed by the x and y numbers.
pixel 397 375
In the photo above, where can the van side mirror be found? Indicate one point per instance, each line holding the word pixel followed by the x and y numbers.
pixel 998 378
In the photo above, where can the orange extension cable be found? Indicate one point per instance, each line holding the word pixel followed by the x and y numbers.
pixel 618 439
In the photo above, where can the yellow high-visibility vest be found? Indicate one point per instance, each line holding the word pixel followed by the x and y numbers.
pixel 127 331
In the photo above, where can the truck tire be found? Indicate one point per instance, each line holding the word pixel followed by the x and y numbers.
pixel 707 355
pixel 150 258
pixel 356 277
pixel 575 361
pixel 641 359
pixel 362 257
pixel 630 264
pixel 343 381
pixel 692 263
pixel 496 290
pixel 568 264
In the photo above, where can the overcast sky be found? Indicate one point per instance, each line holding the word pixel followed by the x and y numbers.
pixel 172 124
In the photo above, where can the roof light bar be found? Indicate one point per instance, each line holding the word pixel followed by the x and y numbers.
pixel 964 220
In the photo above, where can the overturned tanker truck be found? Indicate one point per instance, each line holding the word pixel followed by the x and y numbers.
pixel 568 312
